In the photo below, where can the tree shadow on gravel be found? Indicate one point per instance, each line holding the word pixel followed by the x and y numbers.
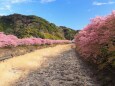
pixel 103 77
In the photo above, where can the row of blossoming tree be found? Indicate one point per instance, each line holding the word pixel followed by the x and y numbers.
pixel 96 42
pixel 13 41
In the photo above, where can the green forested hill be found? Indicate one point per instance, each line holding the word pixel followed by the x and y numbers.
pixel 32 26
pixel 68 32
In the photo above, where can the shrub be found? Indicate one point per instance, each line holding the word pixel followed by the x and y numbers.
pixel 96 44
pixel 13 41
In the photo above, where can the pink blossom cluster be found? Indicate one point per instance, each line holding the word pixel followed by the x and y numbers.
pixel 97 35
pixel 13 41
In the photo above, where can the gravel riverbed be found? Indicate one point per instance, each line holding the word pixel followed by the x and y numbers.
pixel 56 66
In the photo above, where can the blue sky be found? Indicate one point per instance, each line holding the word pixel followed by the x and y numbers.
pixel 71 13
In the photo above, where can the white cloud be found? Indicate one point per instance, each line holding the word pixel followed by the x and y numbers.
pixel 2 14
pixel 103 3
pixel 47 1
pixel 7 4
pixel 17 1
pixel 6 7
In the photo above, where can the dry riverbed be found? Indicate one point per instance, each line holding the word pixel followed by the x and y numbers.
pixel 53 66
